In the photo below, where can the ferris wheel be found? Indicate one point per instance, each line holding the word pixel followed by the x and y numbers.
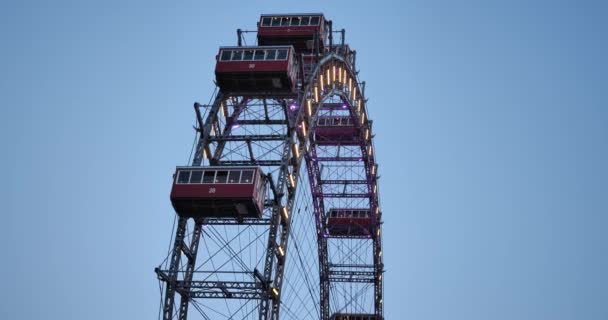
pixel 278 214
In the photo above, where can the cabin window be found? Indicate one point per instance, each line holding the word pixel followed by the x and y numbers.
pixel 208 176
pixel 284 21
pixel 259 55
pixel 196 176
pixel 305 21
pixel 314 21
pixel 234 176
pixel 237 55
pixel 266 22
pixel 247 55
pixel 221 176
pixel 295 21
pixel 276 21
pixel 183 176
pixel 271 54
pixel 225 55
pixel 247 176
pixel 282 54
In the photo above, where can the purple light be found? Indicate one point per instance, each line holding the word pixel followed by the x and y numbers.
pixel 235 126
pixel 293 107
pixel 344 106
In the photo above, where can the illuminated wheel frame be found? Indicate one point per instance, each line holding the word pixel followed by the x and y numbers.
pixel 246 271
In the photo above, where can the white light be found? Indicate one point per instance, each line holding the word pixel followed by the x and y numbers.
pixel 340 74
pixel 316 94
pixel 275 291
pixel 281 253
pixel 284 214
pixel 354 92
pixel 333 78
pixel 321 82
pixel 291 181
pixel 303 128
pixel 362 118
pixel 328 80
pixel 294 149
pixel 373 169
pixel 308 107
pixel 366 134
pixel 359 106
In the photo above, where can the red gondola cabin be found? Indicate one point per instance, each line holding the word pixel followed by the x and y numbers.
pixel 254 69
pixel 336 130
pixel 220 192
pixel 300 30
pixel 349 222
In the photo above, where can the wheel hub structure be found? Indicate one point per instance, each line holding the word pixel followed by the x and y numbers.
pixel 278 214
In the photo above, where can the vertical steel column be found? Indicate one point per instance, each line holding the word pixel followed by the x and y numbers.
pixel 169 300
pixel 314 175
pixel 272 234
pixel 193 249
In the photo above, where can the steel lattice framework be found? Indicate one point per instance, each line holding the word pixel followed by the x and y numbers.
pixel 244 270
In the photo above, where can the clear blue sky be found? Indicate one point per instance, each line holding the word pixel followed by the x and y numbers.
pixel 491 126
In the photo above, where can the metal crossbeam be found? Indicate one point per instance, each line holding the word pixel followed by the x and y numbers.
pixel 221 289
pixel 232 221
pixel 352 279
pixel 350 236
pixel 339 159
pixel 262 122
pixel 343 182
pixel 268 137
pixel 355 274
pixel 264 163
pixel 345 195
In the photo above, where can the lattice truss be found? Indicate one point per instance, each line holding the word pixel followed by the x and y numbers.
pixel 252 131
pixel 230 254
pixel 344 184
